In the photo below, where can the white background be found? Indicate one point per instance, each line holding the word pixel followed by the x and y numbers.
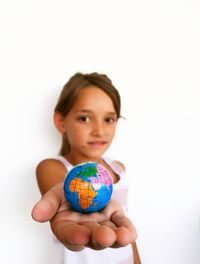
pixel 151 51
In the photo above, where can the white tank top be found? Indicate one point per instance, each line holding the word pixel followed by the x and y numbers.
pixel 123 255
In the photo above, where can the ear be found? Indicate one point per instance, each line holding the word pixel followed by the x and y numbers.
pixel 59 122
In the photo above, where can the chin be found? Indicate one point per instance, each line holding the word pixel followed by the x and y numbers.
pixel 95 155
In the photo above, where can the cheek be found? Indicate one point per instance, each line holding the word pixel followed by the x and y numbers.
pixel 76 135
pixel 112 130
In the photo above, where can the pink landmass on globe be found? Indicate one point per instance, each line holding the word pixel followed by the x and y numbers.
pixel 102 177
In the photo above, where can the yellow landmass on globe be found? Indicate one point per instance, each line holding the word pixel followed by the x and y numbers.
pixel 84 190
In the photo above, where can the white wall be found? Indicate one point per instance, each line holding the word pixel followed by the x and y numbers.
pixel 150 49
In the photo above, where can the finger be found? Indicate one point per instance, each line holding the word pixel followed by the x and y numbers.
pixel 92 226
pixel 71 234
pixel 103 236
pixel 73 247
pixel 126 229
pixel 46 208
pixel 123 235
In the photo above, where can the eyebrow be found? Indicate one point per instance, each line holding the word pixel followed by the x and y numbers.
pixel 87 111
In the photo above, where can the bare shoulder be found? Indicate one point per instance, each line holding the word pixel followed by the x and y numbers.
pixel 121 165
pixel 49 165
pixel 49 172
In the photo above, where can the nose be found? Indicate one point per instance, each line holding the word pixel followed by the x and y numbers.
pixel 98 129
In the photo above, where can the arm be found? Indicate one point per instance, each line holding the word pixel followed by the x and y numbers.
pixel 49 172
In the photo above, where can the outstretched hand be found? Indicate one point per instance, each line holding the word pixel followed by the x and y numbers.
pixel 106 228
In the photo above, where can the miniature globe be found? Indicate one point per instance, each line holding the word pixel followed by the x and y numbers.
pixel 88 187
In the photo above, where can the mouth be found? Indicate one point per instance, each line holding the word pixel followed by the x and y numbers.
pixel 97 143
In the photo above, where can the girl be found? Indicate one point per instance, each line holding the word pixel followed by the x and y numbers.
pixel 86 115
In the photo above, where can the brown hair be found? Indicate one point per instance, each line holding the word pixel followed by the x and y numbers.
pixel 70 92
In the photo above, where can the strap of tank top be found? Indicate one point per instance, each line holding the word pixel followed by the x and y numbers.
pixel 114 166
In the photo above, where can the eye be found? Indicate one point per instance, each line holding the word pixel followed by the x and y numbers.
pixel 110 120
pixel 84 119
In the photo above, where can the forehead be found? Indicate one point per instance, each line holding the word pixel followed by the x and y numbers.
pixel 93 98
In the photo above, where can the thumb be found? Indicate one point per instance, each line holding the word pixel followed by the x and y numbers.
pixel 45 209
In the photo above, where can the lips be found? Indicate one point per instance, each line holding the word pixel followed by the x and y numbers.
pixel 97 143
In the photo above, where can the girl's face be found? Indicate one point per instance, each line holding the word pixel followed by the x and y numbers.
pixel 89 125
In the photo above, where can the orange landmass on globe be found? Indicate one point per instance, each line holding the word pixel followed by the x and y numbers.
pixel 84 190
